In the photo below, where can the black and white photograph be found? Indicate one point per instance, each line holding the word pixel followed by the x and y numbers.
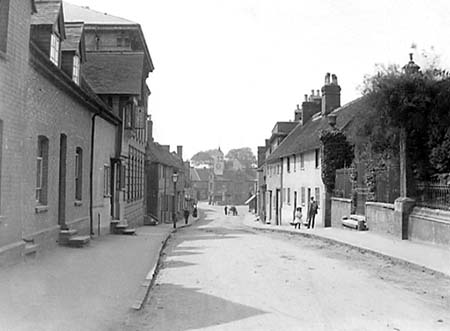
pixel 222 165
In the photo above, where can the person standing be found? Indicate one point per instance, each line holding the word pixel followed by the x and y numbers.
pixel 194 211
pixel 313 207
pixel 297 218
pixel 226 210
pixel 186 215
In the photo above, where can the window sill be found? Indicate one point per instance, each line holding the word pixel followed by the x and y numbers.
pixel 78 203
pixel 41 209
pixel 107 196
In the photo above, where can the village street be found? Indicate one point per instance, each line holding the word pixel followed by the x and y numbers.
pixel 222 275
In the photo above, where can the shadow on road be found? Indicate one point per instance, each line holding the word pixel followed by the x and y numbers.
pixel 183 309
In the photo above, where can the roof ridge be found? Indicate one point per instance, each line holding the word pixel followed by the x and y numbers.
pixel 102 14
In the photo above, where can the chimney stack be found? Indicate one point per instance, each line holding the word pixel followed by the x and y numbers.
pixel 180 151
pixel 331 94
pixel 149 129
pixel 298 114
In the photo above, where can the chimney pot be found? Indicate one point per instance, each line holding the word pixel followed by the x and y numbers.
pixel 334 79
pixel 327 78
pixel 318 93
pixel 312 93
pixel 306 97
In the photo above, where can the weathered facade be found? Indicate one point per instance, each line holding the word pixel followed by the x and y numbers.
pixel 49 167
pixel 118 64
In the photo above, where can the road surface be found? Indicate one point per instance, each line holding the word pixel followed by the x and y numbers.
pixel 221 275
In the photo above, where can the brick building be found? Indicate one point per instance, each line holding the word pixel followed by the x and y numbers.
pixel 48 146
pixel 118 64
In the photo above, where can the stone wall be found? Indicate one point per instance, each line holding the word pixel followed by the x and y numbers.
pixel 380 218
pixel 431 225
pixel 339 208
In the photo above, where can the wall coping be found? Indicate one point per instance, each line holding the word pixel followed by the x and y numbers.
pixel 341 199
pixel 431 215
pixel 380 204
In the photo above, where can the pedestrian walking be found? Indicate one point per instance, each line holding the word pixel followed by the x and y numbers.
pixel 186 215
pixel 226 210
pixel 313 207
pixel 296 223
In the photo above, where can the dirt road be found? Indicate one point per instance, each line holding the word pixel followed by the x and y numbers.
pixel 220 275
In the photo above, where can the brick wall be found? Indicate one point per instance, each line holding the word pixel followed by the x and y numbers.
pixel 13 64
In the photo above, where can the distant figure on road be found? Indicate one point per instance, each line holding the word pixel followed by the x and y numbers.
pixel 194 211
pixel 313 207
pixel 297 218
pixel 226 210
pixel 186 215
pixel 233 210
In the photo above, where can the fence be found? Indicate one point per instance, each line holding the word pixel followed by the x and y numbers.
pixel 433 195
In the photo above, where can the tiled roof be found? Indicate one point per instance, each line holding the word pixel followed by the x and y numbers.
pixel 89 16
pixel 158 154
pixel 74 32
pixel 115 73
pixel 305 138
pixel 203 174
pixel 47 12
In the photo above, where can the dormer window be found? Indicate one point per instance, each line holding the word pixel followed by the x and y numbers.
pixel 76 69
pixel 54 49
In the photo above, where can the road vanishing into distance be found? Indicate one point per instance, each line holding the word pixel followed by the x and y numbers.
pixel 220 274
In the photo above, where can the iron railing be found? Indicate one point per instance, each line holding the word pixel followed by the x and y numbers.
pixel 433 195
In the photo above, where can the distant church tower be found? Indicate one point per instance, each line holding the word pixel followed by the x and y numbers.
pixel 218 162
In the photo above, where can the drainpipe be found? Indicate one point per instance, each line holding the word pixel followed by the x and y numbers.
pixel 281 192
pixel 91 179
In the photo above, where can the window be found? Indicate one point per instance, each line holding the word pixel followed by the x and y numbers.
pixel 284 195
pixel 128 116
pixel 288 196
pixel 317 157
pixel 303 196
pixel 288 164
pixel 42 170
pixel 135 187
pixel 4 15
pixel 76 69
pixel 54 49
pixel 123 41
pixel 302 161
pixel 294 163
pixel 317 195
pixel 106 181
pixel 78 174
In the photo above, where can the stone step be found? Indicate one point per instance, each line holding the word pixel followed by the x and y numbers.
pixel 129 231
pixel 121 226
pixel 115 221
pixel 68 233
pixel 79 241
pixel 30 249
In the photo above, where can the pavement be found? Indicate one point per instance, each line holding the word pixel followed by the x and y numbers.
pixel 89 288
pixel 420 254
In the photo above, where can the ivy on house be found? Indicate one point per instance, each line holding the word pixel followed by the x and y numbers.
pixel 337 154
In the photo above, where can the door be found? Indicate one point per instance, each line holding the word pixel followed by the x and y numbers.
pixel 295 204
pixel 308 202
pixel 62 181
pixel 270 205
pixel 277 207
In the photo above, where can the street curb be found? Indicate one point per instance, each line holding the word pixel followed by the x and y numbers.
pixel 358 248
pixel 149 280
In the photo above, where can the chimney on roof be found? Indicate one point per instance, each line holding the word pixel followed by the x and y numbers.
pixel 149 128
pixel 331 94
pixel 298 114
pixel 180 151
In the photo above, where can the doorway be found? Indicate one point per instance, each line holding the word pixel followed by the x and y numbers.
pixel 295 204
pixel 62 181
pixel 277 207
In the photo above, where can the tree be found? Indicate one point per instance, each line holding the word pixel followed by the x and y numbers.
pixel 244 155
pixel 202 157
pixel 414 102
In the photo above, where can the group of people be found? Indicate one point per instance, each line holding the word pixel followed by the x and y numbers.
pixel 187 213
pixel 309 221
pixel 230 211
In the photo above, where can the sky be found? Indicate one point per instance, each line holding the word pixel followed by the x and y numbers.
pixel 227 70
